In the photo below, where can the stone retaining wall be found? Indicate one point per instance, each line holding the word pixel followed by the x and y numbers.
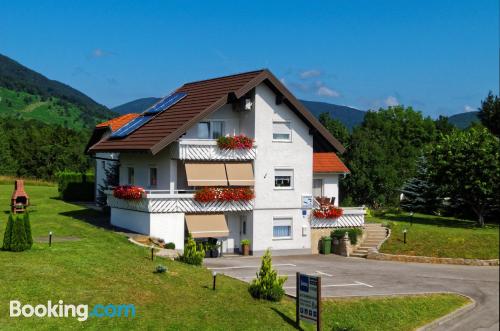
pixel 374 255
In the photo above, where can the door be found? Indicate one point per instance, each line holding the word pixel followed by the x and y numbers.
pixel 317 187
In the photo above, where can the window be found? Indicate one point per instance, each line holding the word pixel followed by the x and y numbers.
pixel 130 176
pixel 210 129
pixel 282 131
pixel 282 227
pixel 203 130
pixel 153 178
pixel 283 178
pixel 317 187
pixel 216 129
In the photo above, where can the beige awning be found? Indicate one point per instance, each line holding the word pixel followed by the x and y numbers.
pixel 240 174
pixel 206 174
pixel 207 225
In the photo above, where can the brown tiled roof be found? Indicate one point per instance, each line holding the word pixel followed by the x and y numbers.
pixel 328 162
pixel 117 122
pixel 203 98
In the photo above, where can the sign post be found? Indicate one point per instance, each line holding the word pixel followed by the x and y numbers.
pixel 308 299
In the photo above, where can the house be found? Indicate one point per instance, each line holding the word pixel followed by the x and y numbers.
pixel 195 185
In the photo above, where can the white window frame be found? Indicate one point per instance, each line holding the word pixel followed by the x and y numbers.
pixel 210 128
pixel 283 219
pixel 289 140
pixel 292 179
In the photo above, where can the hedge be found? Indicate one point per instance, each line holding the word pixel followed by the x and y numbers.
pixel 353 234
pixel 75 186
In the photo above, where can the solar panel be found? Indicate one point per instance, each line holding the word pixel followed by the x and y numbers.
pixel 131 126
pixel 165 103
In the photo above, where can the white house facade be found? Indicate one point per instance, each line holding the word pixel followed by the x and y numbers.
pixel 291 167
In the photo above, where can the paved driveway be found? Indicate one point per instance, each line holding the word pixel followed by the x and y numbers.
pixel 360 277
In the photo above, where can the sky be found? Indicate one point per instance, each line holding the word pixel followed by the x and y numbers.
pixel 440 57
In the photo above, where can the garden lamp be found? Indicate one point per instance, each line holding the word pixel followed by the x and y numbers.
pixel 214 275
pixel 50 238
pixel 404 236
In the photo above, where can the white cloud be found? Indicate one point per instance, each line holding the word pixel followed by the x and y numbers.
pixel 391 101
pixel 98 52
pixel 310 74
pixel 327 92
pixel 468 108
pixel 283 80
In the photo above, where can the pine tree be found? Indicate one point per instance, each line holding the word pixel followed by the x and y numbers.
pixel 191 254
pixel 7 237
pixel 268 285
pixel 419 192
pixel 19 241
pixel 27 229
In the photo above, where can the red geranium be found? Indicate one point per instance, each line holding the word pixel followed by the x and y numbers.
pixel 328 212
pixel 224 194
pixel 128 192
pixel 235 142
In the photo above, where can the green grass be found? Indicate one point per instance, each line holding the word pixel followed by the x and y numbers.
pixel 103 267
pixel 49 111
pixel 435 236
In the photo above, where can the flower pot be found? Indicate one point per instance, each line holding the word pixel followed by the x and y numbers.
pixel 245 249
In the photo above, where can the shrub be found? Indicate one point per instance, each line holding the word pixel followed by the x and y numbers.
pixel 75 186
pixel 353 234
pixel 170 246
pixel 245 242
pixel 8 234
pixel 192 254
pixel 160 269
pixel 268 285
pixel 27 229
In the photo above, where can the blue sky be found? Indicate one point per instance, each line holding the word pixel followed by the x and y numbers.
pixel 441 57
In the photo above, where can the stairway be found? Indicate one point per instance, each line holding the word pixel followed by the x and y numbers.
pixel 375 234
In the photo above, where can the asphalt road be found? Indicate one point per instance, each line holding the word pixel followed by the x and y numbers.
pixel 343 277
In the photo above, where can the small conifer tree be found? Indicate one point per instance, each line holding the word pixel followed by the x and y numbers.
pixel 27 229
pixel 192 254
pixel 19 241
pixel 7 237
pixel 268 285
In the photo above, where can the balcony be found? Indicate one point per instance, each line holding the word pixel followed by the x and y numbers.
pixel 207 150
pixel 180 202
pixel 351 217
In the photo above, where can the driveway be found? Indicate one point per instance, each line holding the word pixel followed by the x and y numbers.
pixel 343 277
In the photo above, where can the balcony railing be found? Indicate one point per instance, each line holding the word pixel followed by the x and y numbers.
pixel 206 150
pixel 178 202
pixel 351 217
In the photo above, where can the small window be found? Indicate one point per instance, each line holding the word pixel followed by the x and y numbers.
pixel 153 178
pixel 283 178
pixel 203 130
pixel 217 129
pixel 282 227
pixel 282 131
pixel 130 176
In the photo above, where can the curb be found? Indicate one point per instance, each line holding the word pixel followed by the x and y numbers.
pixel 454 314
pixel 375 255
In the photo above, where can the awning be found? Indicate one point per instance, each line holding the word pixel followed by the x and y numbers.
pixel 207 225
pixel 206 174
pixel 240 174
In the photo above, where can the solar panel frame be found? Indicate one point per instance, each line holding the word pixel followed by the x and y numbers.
pixel 165 103
pixel 131 126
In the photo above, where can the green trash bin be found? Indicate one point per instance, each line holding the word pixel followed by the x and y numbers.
pixel 326 245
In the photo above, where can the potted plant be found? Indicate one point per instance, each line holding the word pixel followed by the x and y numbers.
pixel 245 247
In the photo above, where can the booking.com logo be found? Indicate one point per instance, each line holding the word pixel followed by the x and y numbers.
pixel 60 309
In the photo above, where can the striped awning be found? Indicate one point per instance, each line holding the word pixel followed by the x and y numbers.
pixel 206 174
pixel 207 225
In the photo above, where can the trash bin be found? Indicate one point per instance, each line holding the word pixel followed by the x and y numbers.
pixel 326 245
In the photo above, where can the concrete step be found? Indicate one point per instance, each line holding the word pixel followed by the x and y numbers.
pixel 362 250
pixel 363 255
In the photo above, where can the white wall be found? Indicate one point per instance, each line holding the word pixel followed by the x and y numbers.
pixel 169 227
pixel 231 122
pixel 330 185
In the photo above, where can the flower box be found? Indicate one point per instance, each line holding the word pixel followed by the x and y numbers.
pixel 128 192
pixel 224 194
pixel 327 212
pixel 235 142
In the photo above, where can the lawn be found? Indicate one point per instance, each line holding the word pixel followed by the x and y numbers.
pixel 102 267
pixel 429 235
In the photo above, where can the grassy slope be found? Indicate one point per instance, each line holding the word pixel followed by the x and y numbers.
pixel 49 111
pixel 440 237
pixel 104 268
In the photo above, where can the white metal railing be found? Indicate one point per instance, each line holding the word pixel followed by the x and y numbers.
pixel 207 149
pixel 351 217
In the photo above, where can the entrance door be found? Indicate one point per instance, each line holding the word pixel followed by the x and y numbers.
pixel 317 187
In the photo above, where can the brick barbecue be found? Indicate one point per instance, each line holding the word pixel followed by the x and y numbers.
pixel 20 199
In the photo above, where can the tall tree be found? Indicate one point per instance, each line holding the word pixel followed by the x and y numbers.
pixel 465 165
pixel 336 128
pixel 383 153
pixel 489 113
pixel 443 125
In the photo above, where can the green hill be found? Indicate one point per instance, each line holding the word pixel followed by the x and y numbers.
pixel 464 120
pixel 26 94
pixel 136 106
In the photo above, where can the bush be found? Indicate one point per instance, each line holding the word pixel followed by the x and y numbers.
pixel 75 186
pixel 192 254
pixel 245 242
pixel 160 269
pixel 17 237
pixel 268 285
pixel 353 234
pixel 170 246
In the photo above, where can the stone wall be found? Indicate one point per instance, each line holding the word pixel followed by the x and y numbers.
pixel 426 259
